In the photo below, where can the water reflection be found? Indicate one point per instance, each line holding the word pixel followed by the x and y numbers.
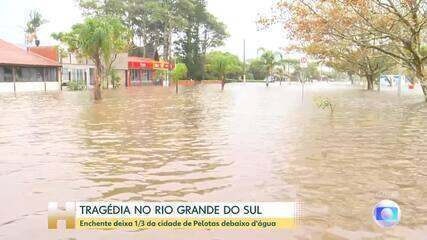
pixel 248 143
pixel 154 148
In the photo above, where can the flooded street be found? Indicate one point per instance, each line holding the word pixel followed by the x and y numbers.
pixel 248 143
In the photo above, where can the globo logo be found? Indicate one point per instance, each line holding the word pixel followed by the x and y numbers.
pixel 387 214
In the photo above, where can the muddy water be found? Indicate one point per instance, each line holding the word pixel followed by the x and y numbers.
pixel 248 143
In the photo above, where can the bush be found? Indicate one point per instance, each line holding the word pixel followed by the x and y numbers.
pixel 325 103
pixel 76 86
pixel 180 72
pixel 115 79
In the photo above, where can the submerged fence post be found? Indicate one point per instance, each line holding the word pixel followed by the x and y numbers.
pixel 44 79
pixel 59 76
pixel 14 79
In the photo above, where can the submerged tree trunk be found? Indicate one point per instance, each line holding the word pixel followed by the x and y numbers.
pixel 222 83
pixel 424 88
pixel 350 75
pixel 370 80
pixel 97 86
pixel 421 77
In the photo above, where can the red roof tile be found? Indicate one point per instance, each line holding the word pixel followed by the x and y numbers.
pixel 49 52
pixel 13 55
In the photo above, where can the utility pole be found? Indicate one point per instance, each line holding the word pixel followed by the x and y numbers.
pixel 321 72
pixel 244 60
pixel 303 66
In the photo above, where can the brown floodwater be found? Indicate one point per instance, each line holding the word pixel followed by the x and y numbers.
pixel 248 143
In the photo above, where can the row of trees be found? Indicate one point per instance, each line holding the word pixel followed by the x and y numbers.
pixel 224 65
pixel 275 64
pixel 364 37
pixel 161 27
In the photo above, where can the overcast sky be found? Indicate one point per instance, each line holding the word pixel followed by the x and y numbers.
pixel 238 15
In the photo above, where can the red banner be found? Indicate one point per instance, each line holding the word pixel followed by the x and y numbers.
pixel 140 63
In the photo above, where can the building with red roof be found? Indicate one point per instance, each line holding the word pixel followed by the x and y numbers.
pixel 25 70
pixel 43 68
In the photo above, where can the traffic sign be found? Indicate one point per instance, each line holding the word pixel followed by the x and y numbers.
pixel 303 62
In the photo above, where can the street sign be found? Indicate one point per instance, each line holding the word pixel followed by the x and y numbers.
pixel 303 62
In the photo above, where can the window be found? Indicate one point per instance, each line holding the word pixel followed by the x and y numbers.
pixel 92 76
pixel 26 74
pixel 51 75
pixel 6 74
pixel 76 74
pixel 65 75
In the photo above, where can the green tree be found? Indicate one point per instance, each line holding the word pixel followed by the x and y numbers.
pixel 233 65
pixel 156 22
pixel 222 65
pixel 270 60
pixel 99 39
pixel 202 32
pixel 283 67
pixel 180 72
pixel 257 69
pixel 91 8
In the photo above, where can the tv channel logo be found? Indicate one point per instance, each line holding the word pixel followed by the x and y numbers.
pixel 387 214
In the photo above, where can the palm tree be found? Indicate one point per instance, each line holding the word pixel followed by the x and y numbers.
pixel 280 71
pixel 34 22
pixel 285 64
pixel 270 60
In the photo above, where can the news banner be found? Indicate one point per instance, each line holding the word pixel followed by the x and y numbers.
pixel 173 216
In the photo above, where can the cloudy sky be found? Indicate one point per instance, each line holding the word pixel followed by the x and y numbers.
pixel 238 15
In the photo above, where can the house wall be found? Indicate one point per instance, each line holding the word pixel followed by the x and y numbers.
pixel 28 79
pixel 81 73
pixel 74 59
pixel 121 67
pixel 72 62
pixel 28 86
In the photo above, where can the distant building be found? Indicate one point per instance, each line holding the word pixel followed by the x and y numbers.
pixel 24 70
pixel 82 70
pixel 120 67
pixel 77 69
pixel 144 71
pixel 43 68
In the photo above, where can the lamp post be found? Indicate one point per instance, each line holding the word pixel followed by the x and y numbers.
pixel 244 60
